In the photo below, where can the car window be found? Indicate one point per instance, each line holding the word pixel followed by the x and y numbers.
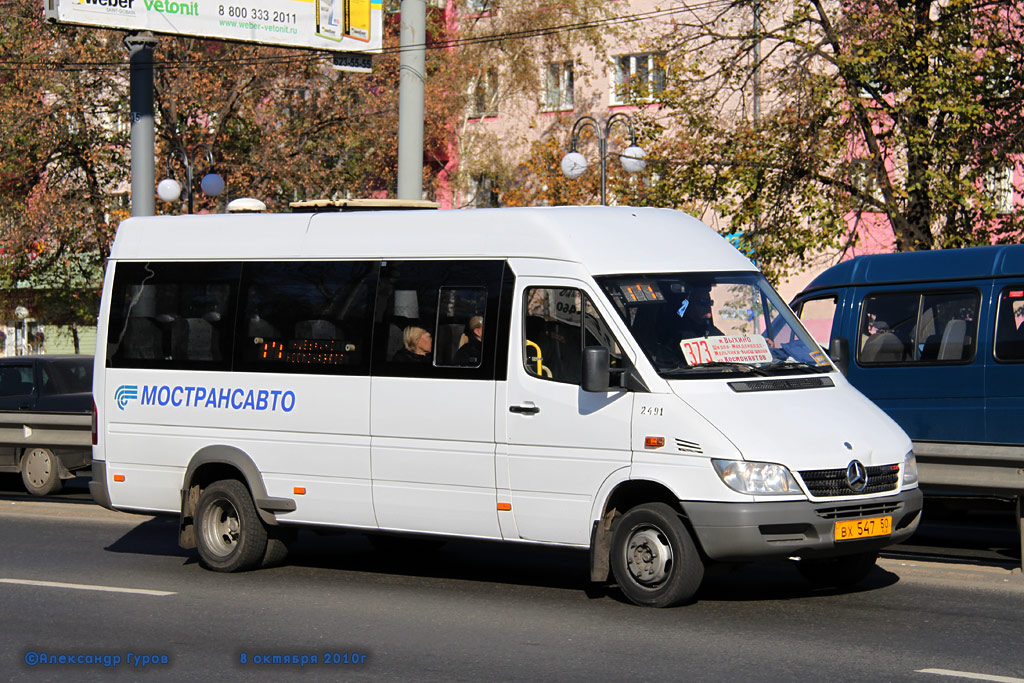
pixel 66 377
pixel 15 380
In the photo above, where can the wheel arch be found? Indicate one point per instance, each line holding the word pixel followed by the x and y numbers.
pixel 623 496
pixel 216 462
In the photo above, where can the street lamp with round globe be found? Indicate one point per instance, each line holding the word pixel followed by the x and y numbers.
pixel 632 158
pixel 574 165
pixel 168 189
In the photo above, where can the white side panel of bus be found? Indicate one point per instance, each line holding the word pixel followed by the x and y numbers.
pixel 299 430
pixel 433 456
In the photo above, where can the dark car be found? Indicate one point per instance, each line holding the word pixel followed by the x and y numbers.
pixel 43 432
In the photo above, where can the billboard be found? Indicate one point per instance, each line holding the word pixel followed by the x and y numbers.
pixel 329 25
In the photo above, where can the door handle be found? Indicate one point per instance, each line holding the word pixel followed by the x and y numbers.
pixel 524 410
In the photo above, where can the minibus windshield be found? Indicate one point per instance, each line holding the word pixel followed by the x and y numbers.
pixel 701 324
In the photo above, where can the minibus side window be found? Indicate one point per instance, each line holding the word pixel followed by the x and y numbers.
pixel 310 317
pixel 173 315
pixel 558 324
pixel 918 327
pixel 1010 324
pixel 437 319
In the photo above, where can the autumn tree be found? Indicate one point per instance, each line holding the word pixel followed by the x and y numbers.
pixel 500 54
pixel 894 111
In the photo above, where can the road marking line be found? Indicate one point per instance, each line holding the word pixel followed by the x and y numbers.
pixel 973 676
pixel 85 587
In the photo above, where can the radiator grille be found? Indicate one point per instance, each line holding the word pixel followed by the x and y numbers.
pixel 857 511
pixel 827 483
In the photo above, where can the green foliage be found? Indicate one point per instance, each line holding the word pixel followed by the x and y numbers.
pixel 871 110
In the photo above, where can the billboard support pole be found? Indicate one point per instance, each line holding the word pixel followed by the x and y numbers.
pixel 413 47
pixel 143 137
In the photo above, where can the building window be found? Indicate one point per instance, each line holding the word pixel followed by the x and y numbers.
pixel 999 186
pixel 638 78
pixel 863 177
pixel 558 87
pixel 481 6
pixel 484 194
pixel 483 100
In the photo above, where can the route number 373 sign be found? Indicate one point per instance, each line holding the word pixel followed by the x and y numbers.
pixel 726 349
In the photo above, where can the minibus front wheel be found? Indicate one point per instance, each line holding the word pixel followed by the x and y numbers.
pixel 653 557
pixel 230 536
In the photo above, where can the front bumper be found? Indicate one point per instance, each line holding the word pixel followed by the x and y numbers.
pixel 752 531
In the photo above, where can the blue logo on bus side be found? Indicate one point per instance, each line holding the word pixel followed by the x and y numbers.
pixel 125 393
pixel 234 398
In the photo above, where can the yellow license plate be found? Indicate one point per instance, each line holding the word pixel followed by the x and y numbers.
pixel 850 530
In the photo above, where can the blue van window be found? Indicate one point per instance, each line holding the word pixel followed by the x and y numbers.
pixel 918 327
pixel 1010 324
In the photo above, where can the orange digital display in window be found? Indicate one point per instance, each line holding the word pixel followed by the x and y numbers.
pixel 302 351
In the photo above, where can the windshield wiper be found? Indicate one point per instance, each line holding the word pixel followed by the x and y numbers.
pixel 799 364
pixel 716 365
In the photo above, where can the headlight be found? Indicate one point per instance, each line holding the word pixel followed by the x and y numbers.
pixel 909 469
pixel 756 477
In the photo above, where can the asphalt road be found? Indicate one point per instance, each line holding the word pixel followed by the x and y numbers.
pixel 474 612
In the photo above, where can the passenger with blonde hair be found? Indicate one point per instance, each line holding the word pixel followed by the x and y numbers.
pixel 418 345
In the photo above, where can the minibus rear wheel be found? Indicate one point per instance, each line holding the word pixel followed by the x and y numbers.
pixel 654 559
pixel 230 536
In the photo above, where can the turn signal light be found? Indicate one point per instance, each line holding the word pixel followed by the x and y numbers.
pixel 299 490
pixel 505 507
pixel 654 442
pixel 118 477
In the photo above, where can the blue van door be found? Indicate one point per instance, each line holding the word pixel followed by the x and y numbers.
pixel 1005 372
pixel 917 353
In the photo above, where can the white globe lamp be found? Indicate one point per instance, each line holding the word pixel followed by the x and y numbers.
pixel 168 190
pixel 633 159
pixel 574 165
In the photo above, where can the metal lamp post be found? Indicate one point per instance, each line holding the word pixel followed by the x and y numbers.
pixel 211 184
pixel 632 158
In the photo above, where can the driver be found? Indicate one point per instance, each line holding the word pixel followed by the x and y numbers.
pixel 695 315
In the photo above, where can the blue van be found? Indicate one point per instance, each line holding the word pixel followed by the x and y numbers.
pixel 936 339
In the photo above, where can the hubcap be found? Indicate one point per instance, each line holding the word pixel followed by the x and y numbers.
pixel 221 528
pixel 37 466
pixel 648 556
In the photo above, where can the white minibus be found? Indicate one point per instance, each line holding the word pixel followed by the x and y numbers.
pixel 607 378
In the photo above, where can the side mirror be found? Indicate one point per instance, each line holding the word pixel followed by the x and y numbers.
pixel 839 352
pixel 596 369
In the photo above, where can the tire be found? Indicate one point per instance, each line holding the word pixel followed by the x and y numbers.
pixel 230 536
pixel 837 572
pixel 653 557
pixel 40 472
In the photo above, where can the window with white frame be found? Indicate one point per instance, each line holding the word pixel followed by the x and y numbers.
pixel 558 87
pixel 999 186
pixel 483 91
pixel 638 77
